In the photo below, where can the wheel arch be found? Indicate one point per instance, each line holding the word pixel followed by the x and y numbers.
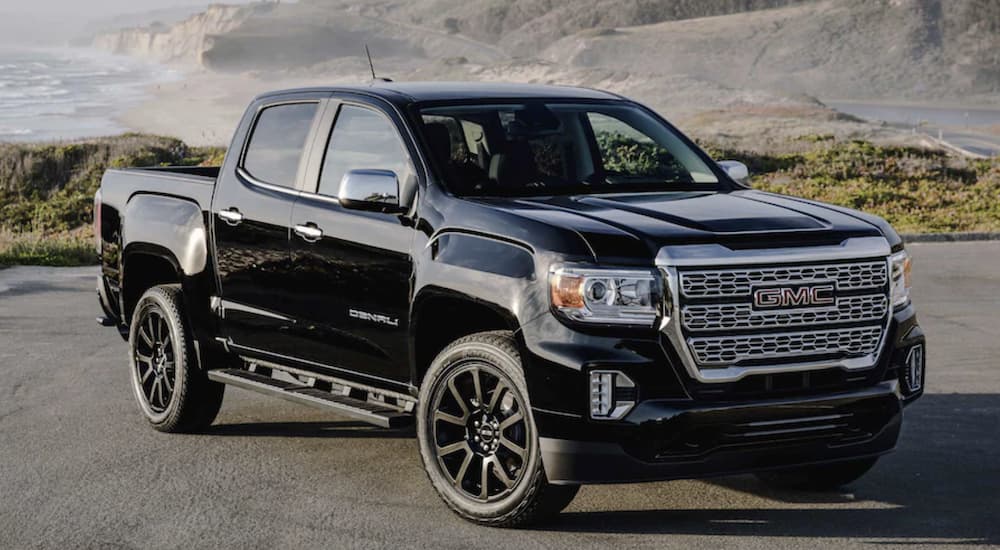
pixel 145 265
pixel 441 316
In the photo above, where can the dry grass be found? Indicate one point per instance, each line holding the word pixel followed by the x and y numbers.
pixel 68 248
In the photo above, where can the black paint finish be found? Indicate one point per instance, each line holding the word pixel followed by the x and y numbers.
pixel 376 294
pixel 253 262
pixel 350 290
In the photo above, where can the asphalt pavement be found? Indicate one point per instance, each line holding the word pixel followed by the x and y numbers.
pixel 79 467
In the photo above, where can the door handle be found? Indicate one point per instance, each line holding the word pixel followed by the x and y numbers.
pixel 309 232
pixel 231 216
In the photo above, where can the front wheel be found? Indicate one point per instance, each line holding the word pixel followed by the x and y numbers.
pixel 477 435
pixel 173 393
pixel 821 477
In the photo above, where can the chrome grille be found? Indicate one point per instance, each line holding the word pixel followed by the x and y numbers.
pixel 730 283
pixel 722 350
pixel 721 336
pixel 850 309
pixel 721 328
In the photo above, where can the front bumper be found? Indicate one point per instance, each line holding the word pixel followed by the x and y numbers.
pixel 672 440
pixel 681 428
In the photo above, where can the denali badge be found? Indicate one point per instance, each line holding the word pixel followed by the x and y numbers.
pixel 373 317
pixel 793 296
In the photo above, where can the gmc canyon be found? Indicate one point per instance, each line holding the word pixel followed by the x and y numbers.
pixel 554 284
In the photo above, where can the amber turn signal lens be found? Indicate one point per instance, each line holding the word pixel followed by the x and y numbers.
pixel 567 290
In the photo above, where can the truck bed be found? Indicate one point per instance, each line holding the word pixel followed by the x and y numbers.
pixel 195 183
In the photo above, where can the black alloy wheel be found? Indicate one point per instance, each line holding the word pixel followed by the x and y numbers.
pixel 170 386
pixel 155 361
pixel 477 435
pixel 480 432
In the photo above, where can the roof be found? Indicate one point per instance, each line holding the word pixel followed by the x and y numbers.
pixel 409 92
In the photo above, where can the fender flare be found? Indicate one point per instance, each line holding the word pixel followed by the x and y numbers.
pixel 167 223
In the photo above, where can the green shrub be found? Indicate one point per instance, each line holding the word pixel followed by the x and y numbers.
pixel 917 190
pixel 629 156
pixel 50 187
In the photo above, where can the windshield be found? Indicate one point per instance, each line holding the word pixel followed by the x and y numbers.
pixel 547 148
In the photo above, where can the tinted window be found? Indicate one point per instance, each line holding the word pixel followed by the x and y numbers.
pixel 540 148
pixel 629 153
pixel 361 139
pixel 277 142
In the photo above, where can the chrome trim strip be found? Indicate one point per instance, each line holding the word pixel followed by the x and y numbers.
pixel 557 413
pixel 270 186
pixel 671 257
pixel 708 255
pixel 223 305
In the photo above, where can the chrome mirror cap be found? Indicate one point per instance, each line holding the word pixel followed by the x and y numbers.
pixel 735 170
pixel 370 190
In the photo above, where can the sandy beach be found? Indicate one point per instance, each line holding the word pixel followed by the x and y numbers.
pixel 202 108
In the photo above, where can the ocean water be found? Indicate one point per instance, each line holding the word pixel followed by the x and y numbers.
pixel 55 94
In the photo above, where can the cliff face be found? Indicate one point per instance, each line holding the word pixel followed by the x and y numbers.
pixel 184 42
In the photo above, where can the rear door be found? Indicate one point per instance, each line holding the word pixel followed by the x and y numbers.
pixel 252 210
pixel 352 269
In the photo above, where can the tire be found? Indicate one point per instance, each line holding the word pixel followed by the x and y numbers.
pixel 172 392
pixel 479 378
pixel 820 477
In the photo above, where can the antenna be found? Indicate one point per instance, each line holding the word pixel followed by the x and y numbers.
pixel 370 64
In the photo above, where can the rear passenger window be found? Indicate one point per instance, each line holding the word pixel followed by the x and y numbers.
pixel 277 142
pixel 362 139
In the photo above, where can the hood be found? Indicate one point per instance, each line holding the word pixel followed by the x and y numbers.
pixel 636 225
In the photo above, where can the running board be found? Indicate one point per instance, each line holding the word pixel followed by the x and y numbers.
pixel 359 409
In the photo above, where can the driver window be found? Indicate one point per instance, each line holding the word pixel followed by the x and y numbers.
pixel 362 139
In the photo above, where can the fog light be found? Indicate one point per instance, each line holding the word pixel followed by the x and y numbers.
pixel 913 369
pixel 612 394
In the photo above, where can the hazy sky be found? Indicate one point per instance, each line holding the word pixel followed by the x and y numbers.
pixel 96 8
pixel 55 22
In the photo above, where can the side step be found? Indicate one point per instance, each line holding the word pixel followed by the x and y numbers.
pixel 359 409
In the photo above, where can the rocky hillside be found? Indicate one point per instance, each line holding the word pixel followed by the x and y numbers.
pixel 522 27
pixel 848 49
pixel 859 49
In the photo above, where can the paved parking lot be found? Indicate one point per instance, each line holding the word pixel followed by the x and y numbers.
pixel 79 467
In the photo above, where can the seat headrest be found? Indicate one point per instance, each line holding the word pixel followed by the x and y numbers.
pixel 439 140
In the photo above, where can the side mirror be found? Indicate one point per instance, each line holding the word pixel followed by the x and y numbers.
pixel 736 170
pixel 374 190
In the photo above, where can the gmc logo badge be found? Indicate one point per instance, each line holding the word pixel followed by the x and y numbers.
pixel 793 296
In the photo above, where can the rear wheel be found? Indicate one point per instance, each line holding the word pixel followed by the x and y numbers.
pixel 173 393
pixel 477 435
pixel 820 477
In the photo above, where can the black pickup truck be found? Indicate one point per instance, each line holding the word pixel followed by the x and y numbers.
pixel 553 284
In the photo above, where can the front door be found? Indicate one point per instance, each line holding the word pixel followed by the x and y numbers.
pixel 352 269
pixel 252 210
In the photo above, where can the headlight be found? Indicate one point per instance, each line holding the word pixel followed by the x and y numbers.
pixel 608 296
pixel 901 268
